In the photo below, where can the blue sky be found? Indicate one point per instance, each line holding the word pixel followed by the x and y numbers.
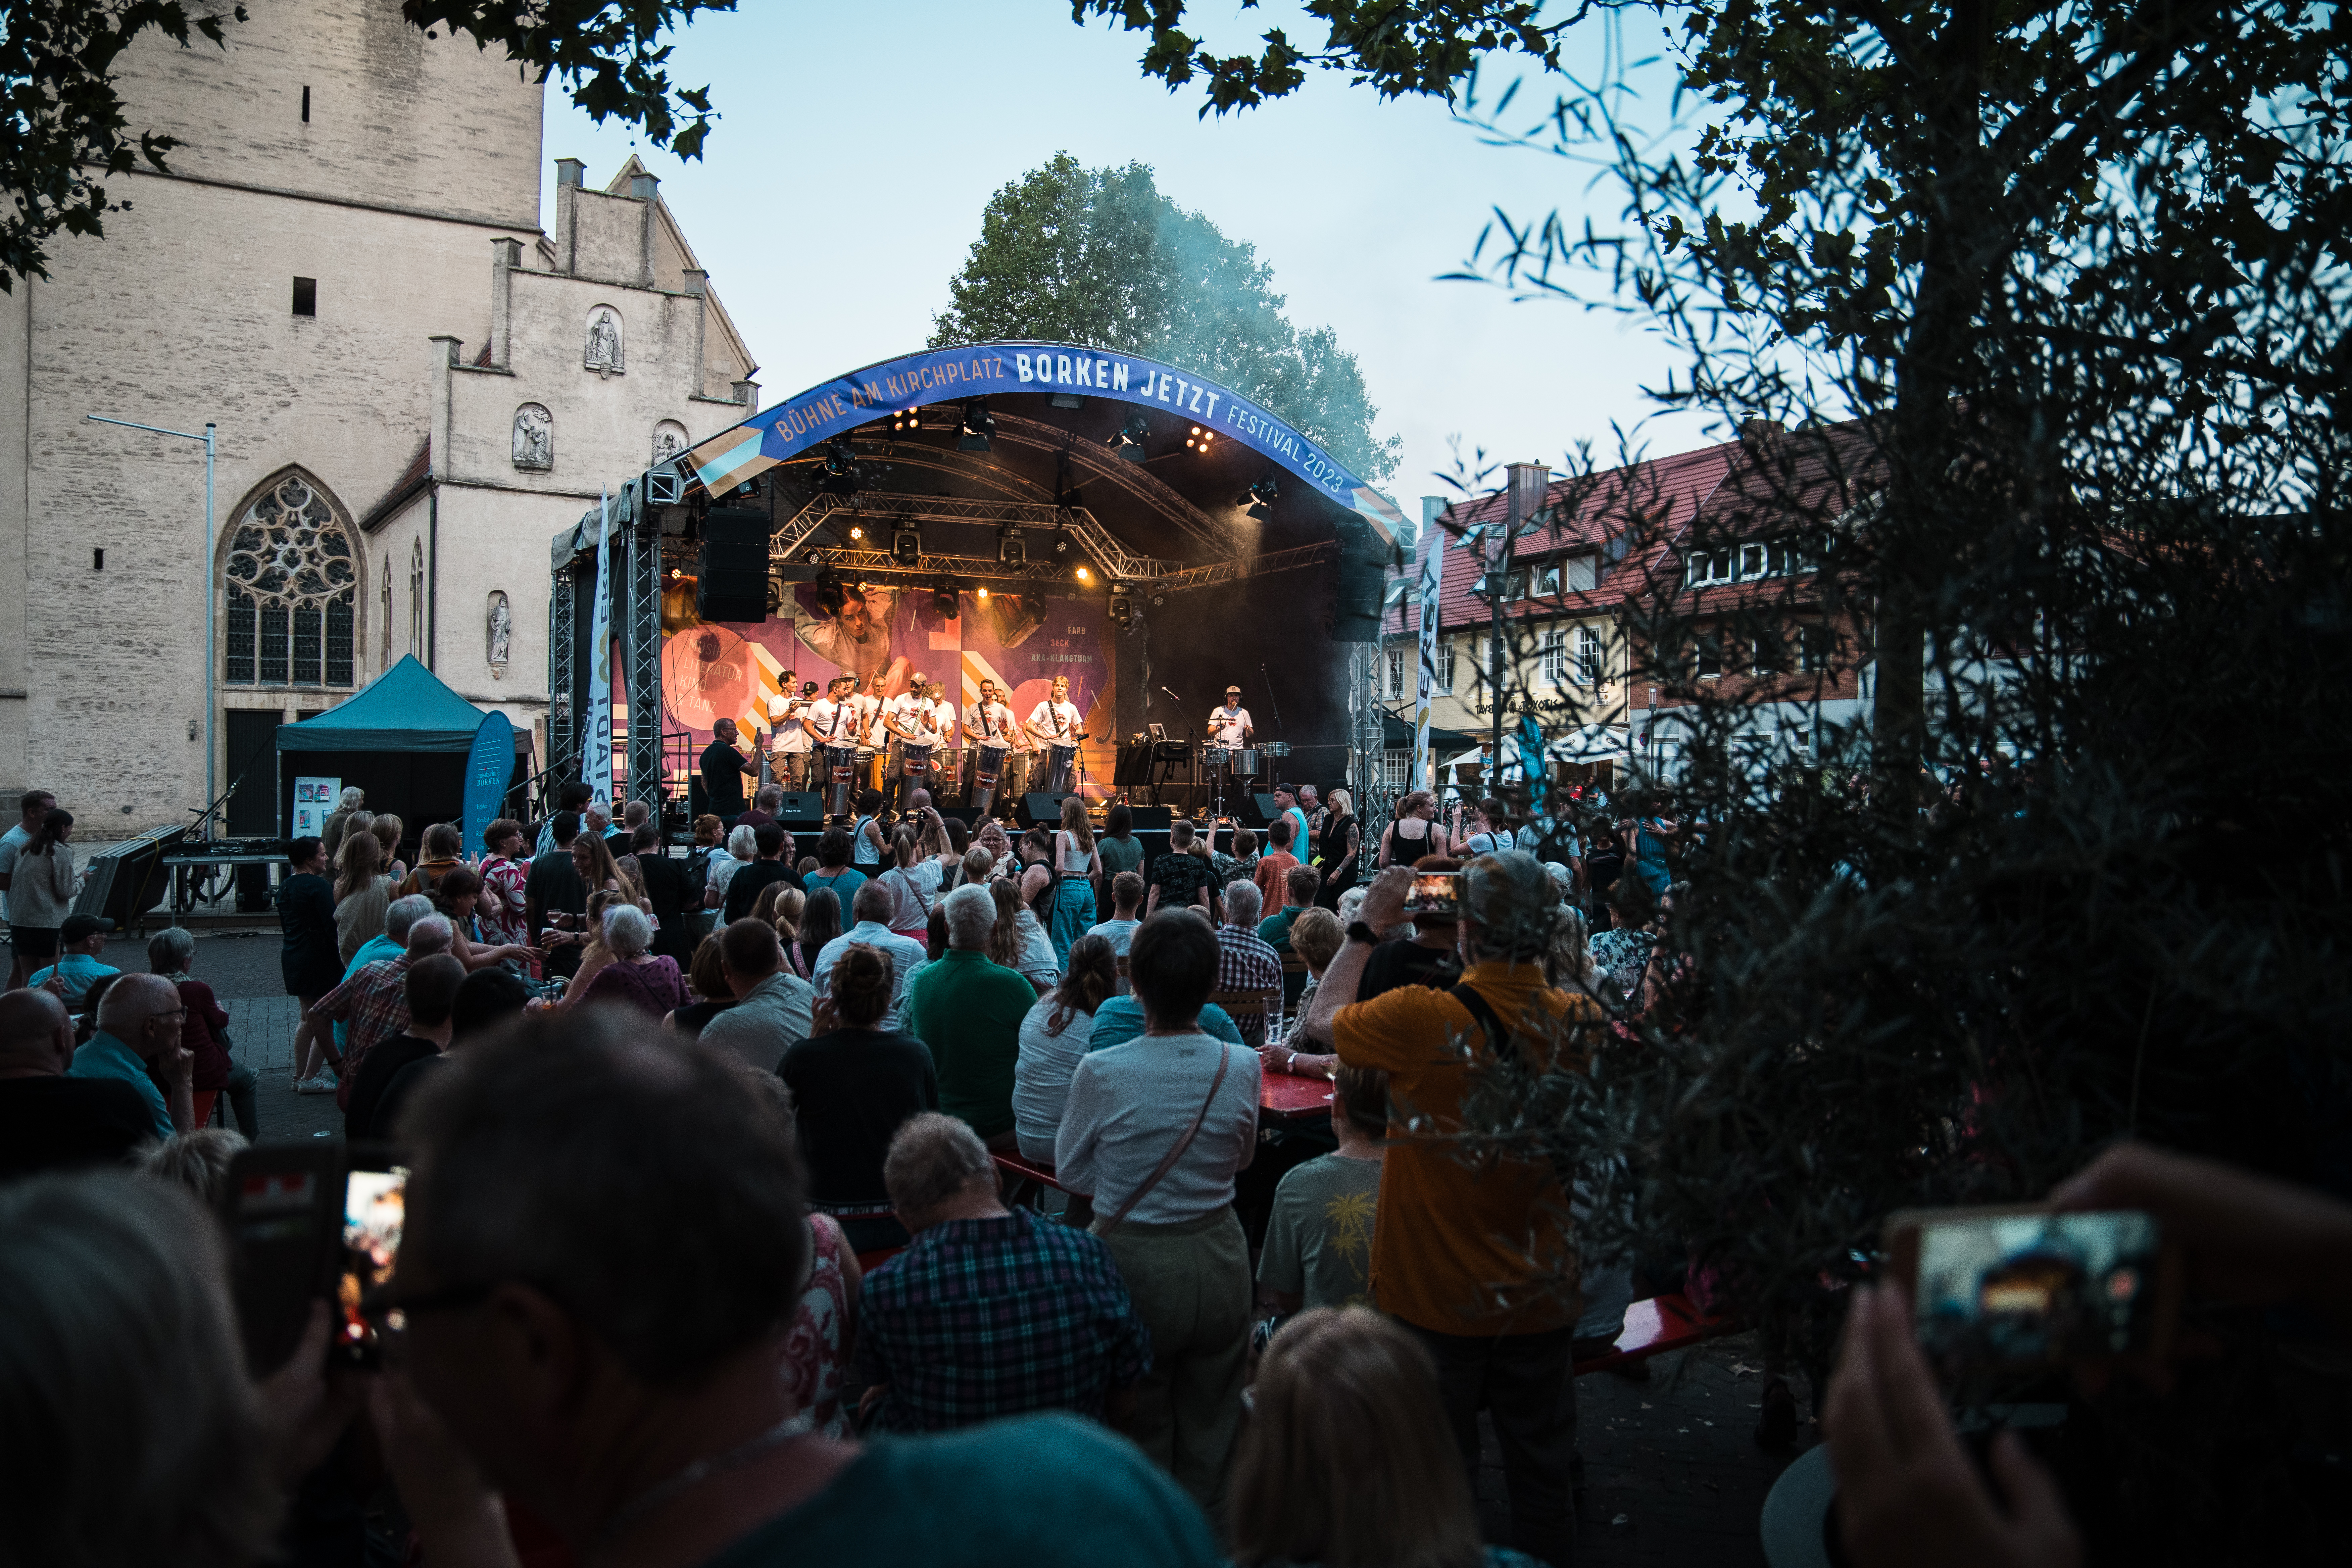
pixel 844 184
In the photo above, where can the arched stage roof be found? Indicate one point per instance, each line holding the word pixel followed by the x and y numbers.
pixel 1173 400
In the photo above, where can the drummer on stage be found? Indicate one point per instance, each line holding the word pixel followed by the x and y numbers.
pixel 831 722
pixel 909 719
pixel 1230 725
pixel 989 722
pixel 790 756
pixel 1054 722
pixel 872 739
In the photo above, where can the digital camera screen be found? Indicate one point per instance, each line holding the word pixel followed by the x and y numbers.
pixel 2035 1287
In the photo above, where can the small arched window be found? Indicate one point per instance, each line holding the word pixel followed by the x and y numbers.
pixel 293 586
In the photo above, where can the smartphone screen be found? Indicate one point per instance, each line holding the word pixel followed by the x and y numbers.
pixel 374 1207
pixel 1433 893
pixel 2015 1288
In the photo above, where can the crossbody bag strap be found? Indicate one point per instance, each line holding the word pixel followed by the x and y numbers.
pixel 1167 1163
pixel 1497 1038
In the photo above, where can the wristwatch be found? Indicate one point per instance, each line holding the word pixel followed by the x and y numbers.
pixel 1358 931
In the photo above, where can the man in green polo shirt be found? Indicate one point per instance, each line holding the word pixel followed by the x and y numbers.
pixel 969 1011
pixel 139 1021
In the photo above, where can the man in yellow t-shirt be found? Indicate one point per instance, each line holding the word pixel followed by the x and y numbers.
pixel 1474 1251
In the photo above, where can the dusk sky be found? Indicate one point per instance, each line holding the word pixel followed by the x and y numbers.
pixel 843 186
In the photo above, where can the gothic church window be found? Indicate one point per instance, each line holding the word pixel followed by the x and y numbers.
pixel 293 586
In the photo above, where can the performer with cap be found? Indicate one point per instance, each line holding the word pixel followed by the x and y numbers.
pixel 911 722
pixel 831 725
pixel 1229 726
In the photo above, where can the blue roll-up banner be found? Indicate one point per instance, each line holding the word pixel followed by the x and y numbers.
pixel 489 767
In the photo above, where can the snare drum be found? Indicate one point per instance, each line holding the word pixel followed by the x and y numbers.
pixel 1246 763
pixel 987 766
pixel 1061 768
pixel 841 767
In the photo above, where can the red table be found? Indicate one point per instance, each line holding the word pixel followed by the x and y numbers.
pixel 1292 1099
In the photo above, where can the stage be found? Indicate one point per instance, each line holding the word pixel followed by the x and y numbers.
pixel 1004 513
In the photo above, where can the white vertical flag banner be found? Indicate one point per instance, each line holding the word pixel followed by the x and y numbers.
pixel 596 745
pixel 1433 577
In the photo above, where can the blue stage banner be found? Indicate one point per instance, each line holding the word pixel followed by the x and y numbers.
pixel 944 375
pixel 489 767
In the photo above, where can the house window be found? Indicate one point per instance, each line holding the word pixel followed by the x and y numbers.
pixel 1816 646
pixel 1588 657
pixel 1444 667
pixel 1578 574
pixel 1710 655
pixel 1396 768
pixel 1396 674
pixel 306 296
pixel 292 584
pixel 1555 658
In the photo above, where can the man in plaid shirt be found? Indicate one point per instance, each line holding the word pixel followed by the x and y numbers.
pixel 988 1312
pixel 374 1001
pixel 1245 960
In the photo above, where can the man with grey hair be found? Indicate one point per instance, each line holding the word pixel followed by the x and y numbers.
pixel 969 1011
pixel 374 1000
pixel 988 1312
pixel 1469 1256
pixel 354 799
pixel 48 1120
pixel 872 905
pixel 1245 961
pixel 138 1023
pixel 398 916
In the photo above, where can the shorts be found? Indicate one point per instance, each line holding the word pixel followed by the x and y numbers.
pixel 34 945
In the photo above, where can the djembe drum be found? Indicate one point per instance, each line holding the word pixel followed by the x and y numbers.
pixel 987 766
pixel 841 765
pixel 1061 768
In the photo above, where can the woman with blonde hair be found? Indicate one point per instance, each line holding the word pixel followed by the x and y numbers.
pixel 592 859
pixel 789 903
pixel 1077 863
pixel 387 830
pixel 914 877
pixel 362 893
pixel 1348 1460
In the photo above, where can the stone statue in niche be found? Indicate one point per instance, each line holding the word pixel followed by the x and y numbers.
pixel 604 353
pixel 669 440
pixel 499 633
pixel 534 438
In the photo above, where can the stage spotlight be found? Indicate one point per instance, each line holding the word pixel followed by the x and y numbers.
pixel 828 594
pixel 1198 441
pixel 906 421
pixel 981 593
pixel 945 602
pixel 855 531
pixel 1008 548
pixel 838 473
pixel 978 422
pixel 814 556
pixel 1122 607
pixel 1128 438
pixel 1061 544
pixel 1255 498
pixel 1032 606
pixel 1085 575
pixel 1158 600
pixel 907 545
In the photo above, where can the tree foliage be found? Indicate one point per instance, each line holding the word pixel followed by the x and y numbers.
pixel 66 130
pixel 1100 257
pixel 2035 319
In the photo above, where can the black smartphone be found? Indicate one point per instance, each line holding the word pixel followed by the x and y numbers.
pixel 2016 1289
pixel 281 1209
pixel 374 1210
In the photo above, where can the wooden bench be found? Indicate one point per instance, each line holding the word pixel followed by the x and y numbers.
pixel 1654 1326
pixel 1266 1006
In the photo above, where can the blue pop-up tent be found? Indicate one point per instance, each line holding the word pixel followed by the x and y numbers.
pixel 404 740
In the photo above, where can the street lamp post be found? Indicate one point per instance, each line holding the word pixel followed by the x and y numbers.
pixel 205 567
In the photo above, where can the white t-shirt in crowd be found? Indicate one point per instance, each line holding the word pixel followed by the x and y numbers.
pixel 913 890
pixel 1119 935
pixel 11 842
pixel 1040 1078
pixel 1128 1106
pixel 906 959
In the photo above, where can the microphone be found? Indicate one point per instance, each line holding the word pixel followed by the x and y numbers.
pixel 1171 694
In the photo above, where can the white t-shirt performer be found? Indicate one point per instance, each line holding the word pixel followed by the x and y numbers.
pixel 1230 725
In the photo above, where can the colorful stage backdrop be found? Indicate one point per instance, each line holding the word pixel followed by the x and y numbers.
pixel 715 670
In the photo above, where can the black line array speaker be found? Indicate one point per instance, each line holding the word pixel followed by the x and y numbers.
pixel 1356 603
pixel 127 880
pixel 731 575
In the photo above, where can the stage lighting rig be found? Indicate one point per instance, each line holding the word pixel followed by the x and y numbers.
pixel 907 421
pixel 907 545
pixel 1122 605
pixel 1010 550
pixel 1128 438
pixel 945 601
pixel 1255 498
pixel 1198 441
pixel 978 424
pixel 838 472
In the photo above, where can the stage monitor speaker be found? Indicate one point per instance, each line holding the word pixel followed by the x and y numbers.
pixel 1256 810
pixel 127 880
pixel 1151 818
pixel 732 577
pixel 1039 809
pixel 800 810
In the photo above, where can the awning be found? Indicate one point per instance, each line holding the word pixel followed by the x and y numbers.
pixel 1396 735
pixel 405 708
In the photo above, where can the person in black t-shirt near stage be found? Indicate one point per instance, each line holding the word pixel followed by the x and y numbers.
pixel 555 888
pixel 723 768
pixel 47 1121
pixel 853 1084
pixel 671 893
pixel 744 886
